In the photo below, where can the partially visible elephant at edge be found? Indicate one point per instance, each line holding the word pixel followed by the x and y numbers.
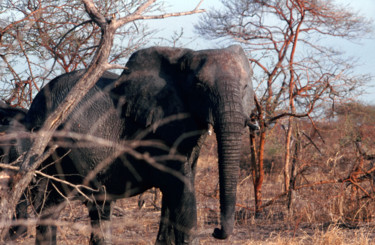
pixel 11 121
pixel 12 131
pixel 169 96
pixel 9 115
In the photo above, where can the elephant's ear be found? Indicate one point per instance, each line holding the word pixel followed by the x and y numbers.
pixel 246 75
pixel 147 90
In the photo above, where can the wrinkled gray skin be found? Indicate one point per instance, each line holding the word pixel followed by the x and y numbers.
pixel 11 123
pixel 208 87
pixel 9 113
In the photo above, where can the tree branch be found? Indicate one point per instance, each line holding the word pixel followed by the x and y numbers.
pixel 137 15
pixel 94 14
pixel 97 67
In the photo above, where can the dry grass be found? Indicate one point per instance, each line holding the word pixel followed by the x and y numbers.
pixel 322 214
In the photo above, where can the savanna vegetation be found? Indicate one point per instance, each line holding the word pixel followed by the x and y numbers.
pixel 307 176
pixel 331 201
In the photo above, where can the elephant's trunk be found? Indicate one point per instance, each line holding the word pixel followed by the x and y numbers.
pixel 229 127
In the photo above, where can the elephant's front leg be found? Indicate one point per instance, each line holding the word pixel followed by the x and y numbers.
pixel 165 234
pixel 100 214
pixel 48 210
pixel 180 213
pixel 184 216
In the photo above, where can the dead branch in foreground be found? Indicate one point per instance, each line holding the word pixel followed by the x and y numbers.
pixel 98 66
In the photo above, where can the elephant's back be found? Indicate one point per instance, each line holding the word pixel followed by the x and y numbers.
pixel 90 131
pixel 51 95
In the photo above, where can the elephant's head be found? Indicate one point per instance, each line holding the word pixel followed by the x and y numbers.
pixel 9 114
pixel 11 130
pixel 213 86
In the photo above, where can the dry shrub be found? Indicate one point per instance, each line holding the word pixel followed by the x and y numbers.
pixel 320 213
pixel 333 235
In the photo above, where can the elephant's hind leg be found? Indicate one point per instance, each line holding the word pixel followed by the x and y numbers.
pixel 165 235
pixel 49 210
pixel 45 235
pixel 46 229
pixel 100 214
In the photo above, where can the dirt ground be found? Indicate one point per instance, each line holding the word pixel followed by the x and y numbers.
pixel 138 226
pixel 315 218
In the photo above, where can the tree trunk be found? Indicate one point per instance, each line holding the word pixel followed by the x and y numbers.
pixel 287 155
pixel 33 158
pixel 257 158
pixel 293 177
pixel 98 66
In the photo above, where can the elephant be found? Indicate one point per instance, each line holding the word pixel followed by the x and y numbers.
pixel 145 129
pixel 11 121
pixel 9 113
pixel 11 132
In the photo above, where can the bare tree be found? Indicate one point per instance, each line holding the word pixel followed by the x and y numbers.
pixel 296 71
pixel 108 24
pixel 42 39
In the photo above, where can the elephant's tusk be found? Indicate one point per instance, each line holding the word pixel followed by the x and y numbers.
pixel 210 129
pixel 252 124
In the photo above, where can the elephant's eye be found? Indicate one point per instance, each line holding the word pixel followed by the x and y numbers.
pixel 199 85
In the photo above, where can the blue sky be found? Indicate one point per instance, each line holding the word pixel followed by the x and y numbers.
pixel 363 49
